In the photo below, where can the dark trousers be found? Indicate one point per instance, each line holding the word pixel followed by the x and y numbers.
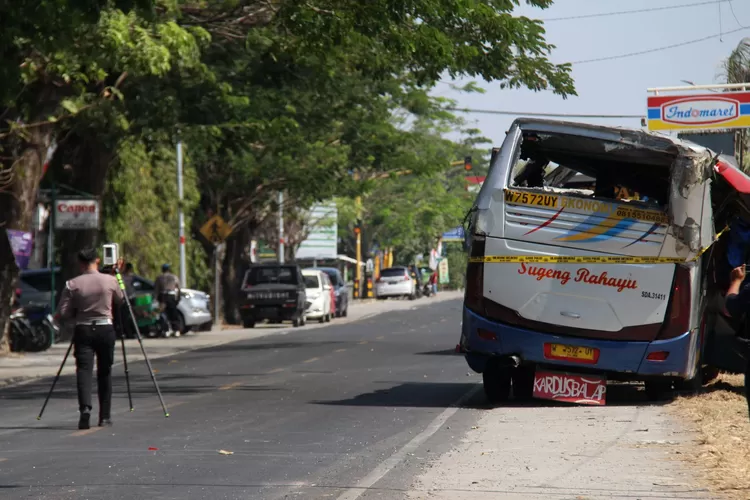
pixel 170 308
pixel 90 341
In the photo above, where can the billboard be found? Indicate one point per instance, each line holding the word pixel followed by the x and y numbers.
pixel 77 214
pixel 700 111
pixel 322 239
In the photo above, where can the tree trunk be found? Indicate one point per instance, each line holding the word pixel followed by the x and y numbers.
pixel 90 159
pixel 17 202
pixel 233 271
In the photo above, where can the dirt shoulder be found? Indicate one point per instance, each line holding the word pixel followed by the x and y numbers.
pixel 721 452
pixel 628 449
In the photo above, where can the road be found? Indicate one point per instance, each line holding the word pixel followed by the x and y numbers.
pixel 347 411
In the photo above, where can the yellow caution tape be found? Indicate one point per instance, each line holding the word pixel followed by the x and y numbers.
pixel 588 259
pixel 557 202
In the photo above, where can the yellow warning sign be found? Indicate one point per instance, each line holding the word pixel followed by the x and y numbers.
pixel 606 209
pixel 216 230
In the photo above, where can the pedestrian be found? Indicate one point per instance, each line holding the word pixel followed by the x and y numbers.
pixel 167 291
pixel 127 279
pixel 434 282
pixel 737 303
pixel 88 301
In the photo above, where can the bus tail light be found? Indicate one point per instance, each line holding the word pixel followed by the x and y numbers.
pixel 474 296
pixel 678 311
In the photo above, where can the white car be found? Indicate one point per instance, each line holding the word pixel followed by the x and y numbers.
pixel 318 292
pixel 395 282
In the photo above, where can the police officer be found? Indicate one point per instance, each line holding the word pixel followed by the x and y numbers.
pixel 167 291
pixel 88 301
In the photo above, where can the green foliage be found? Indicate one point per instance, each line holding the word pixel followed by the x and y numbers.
pixel 409 212
pixel 296 96
pixel 140 210
pixel 457 261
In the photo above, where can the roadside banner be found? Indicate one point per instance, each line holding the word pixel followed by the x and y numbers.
pixel 21 242
pixel 699 111
pixel 443 276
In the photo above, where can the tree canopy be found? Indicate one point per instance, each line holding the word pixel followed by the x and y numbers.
pixel 292 95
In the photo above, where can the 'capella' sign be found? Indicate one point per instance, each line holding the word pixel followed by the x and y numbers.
pixel 77 214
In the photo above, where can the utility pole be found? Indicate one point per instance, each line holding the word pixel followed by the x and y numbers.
pixel 281 227
pixel 359 244
pixel 51 246
pixel 180 194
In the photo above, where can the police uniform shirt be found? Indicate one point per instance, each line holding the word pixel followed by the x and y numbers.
pixel 166 282
pixel 91 296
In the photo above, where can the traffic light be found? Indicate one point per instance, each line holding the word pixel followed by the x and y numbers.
pixel 467 163
pixel 358 226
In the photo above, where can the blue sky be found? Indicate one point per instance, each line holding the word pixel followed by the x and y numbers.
pixel 616 86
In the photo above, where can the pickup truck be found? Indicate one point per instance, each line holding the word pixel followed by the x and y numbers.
pixel 273 292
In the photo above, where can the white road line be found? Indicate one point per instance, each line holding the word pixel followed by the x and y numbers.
pixel 391 462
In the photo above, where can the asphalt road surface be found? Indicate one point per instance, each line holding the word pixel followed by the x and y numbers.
pixel 345 412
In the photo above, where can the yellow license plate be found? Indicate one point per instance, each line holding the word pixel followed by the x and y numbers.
pixel 563 351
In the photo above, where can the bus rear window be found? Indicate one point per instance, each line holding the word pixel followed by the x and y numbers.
pixel 595 168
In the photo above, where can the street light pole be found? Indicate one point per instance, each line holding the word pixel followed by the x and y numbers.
pixel 281 227
pixel 180 194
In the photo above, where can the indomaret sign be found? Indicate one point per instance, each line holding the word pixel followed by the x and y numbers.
pixel 718 110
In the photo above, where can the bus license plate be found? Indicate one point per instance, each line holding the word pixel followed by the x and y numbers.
pixel 571 353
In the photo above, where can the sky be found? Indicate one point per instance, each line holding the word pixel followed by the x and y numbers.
pixel 616 86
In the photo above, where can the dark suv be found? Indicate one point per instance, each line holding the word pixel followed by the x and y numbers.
pixel 275 292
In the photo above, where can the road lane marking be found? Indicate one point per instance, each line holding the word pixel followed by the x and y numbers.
pixel 276 370
pixel 380 338
pixel 363 342
pixel 230 386
pixel 354 492
pixel 310 360
pixel 339 350
pixel 3 459
pixel 86 432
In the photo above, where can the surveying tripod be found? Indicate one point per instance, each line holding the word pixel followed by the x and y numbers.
pixel 131 314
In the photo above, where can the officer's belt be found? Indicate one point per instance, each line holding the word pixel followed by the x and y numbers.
pixel 95 322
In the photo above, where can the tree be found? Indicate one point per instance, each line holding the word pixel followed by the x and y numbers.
pixel 736 69
pixel 292 95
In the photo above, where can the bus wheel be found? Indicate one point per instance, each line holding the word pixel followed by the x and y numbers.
pixel 710 373
pixel 496 379
pixel 523 383
pixel 659 389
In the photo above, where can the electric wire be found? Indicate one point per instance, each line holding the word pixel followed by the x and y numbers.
pixel 637 11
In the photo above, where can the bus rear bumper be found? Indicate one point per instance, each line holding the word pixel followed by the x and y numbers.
pixel 483 340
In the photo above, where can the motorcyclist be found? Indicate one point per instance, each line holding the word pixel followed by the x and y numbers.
pixel 167 292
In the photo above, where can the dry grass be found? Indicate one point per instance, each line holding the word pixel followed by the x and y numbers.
pixel 719 414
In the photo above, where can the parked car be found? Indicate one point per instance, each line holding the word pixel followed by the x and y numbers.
pixel 194 313
pixel 396 282
pixel 319 300
pixel 193 307
pixel 274 292
pixel 341 290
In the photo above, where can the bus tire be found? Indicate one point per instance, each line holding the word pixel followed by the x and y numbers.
pixel 496 381
pixel 658 389
pixel 710 373
pixel 523 383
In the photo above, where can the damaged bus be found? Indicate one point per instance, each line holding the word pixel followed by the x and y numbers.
pixel 597 253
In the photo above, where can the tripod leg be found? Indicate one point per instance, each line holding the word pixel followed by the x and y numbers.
pixel 57 377
pixel 140 341
pixel 127 377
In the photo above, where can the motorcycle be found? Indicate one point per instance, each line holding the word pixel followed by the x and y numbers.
pixel 32 328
